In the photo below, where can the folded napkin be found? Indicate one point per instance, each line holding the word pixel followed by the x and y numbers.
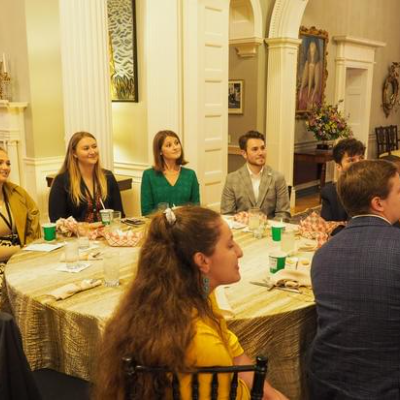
pixel 82 265
pixel 69 226
pixel 315 227
pixel 233 224
pixel 47 247
pixel 291 279
pixel 243 217
pixel 65 291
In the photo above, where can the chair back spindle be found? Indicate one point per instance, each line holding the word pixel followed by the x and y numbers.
pixel 257 390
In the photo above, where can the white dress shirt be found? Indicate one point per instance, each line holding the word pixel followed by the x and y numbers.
pixel 255 181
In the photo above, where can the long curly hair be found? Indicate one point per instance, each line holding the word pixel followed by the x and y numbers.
pixel 154 322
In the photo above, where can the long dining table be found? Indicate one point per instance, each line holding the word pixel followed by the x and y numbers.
pixel 64 335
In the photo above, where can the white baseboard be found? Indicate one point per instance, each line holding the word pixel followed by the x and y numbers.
pixel 131 198
pixel 36 170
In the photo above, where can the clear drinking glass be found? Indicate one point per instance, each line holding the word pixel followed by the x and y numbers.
pixel 71 252
pixel 111 268
pixel 288 242
pixel 83 236
pixel 254 218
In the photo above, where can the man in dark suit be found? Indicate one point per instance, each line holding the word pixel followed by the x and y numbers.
pixel 356 281
pixel 345 153
pixel 255 184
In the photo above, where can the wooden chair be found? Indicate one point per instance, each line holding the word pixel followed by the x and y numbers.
pixel 381 140
pixel 387 140
pixel 393 140
pixel 257 390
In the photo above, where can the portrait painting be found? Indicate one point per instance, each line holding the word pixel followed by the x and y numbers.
pixel 123 50
pixel 311 69
pixel 235 97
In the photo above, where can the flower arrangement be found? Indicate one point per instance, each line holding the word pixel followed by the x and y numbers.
pixel 327 123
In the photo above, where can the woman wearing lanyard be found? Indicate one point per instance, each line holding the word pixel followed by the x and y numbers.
pixel 82 187
pixel 19 215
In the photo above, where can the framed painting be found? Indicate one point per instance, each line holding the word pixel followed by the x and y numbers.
pixel 123 50
pixel 235 96
pixel 311 69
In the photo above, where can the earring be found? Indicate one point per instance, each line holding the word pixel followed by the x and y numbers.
pixel 206 286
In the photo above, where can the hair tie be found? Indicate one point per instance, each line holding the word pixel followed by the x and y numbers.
pixel 170 216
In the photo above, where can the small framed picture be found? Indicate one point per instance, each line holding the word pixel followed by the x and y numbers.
pixel 235 97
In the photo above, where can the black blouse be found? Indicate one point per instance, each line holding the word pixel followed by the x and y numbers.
pixel 61 204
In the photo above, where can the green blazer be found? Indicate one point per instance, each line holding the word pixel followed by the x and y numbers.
pixel 156 189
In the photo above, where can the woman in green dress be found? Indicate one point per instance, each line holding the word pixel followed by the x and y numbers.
pixel 168 183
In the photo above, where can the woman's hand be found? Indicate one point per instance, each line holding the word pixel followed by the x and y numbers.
pixel 272 394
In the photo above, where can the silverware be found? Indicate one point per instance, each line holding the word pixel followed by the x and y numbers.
pixel 292 290
pixel 269 286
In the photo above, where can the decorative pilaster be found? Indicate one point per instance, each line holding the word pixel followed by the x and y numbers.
pixel 281 104
pixel 86 84
pixel 12 137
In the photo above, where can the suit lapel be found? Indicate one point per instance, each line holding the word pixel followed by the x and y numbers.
pixel 248 186
pixel 264 185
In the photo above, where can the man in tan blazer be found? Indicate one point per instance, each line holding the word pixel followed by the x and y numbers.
pixel 255 184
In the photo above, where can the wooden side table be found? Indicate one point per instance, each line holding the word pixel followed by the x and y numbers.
pixel 318 157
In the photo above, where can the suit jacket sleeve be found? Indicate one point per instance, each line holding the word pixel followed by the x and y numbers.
pixel 114 195
pixel 58 199
pixel 228 200
pixel 326 210
pixel 282 198
pixel 146 194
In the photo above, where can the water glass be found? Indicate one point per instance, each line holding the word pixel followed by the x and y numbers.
pixel 288 241
pixel 254 218
pixel 71 252
pixel 111 268
pixel 116 216
pixel 83 236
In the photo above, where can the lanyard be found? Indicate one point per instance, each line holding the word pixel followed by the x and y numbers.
pixel 8 222
pixel 93 198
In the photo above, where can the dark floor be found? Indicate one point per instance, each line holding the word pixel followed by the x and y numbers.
pixel 54 385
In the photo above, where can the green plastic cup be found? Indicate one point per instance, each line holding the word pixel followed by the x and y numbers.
pixel 49 231
pixel 106 216
pixel 277 260
pixel 276 230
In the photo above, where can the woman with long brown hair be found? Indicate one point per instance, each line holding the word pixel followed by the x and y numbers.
pixel 82 186
pixel 168 316
pixel 168 181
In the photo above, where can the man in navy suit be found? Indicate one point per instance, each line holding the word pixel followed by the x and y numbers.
pixel 356 281
pixel 345 153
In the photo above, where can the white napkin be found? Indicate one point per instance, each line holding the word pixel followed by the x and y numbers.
pixel 234 224
pixel 65 291
pixel 223 304
pixel 43 247
pixel 81 266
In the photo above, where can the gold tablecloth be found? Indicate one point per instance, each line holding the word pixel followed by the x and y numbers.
pixel 63 335
pixel 277 324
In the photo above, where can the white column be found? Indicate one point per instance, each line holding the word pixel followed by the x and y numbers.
pixel 86 81
pixel 281 104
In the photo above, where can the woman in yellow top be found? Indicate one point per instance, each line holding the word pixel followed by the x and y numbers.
pixel 167 316
pixel 19 215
